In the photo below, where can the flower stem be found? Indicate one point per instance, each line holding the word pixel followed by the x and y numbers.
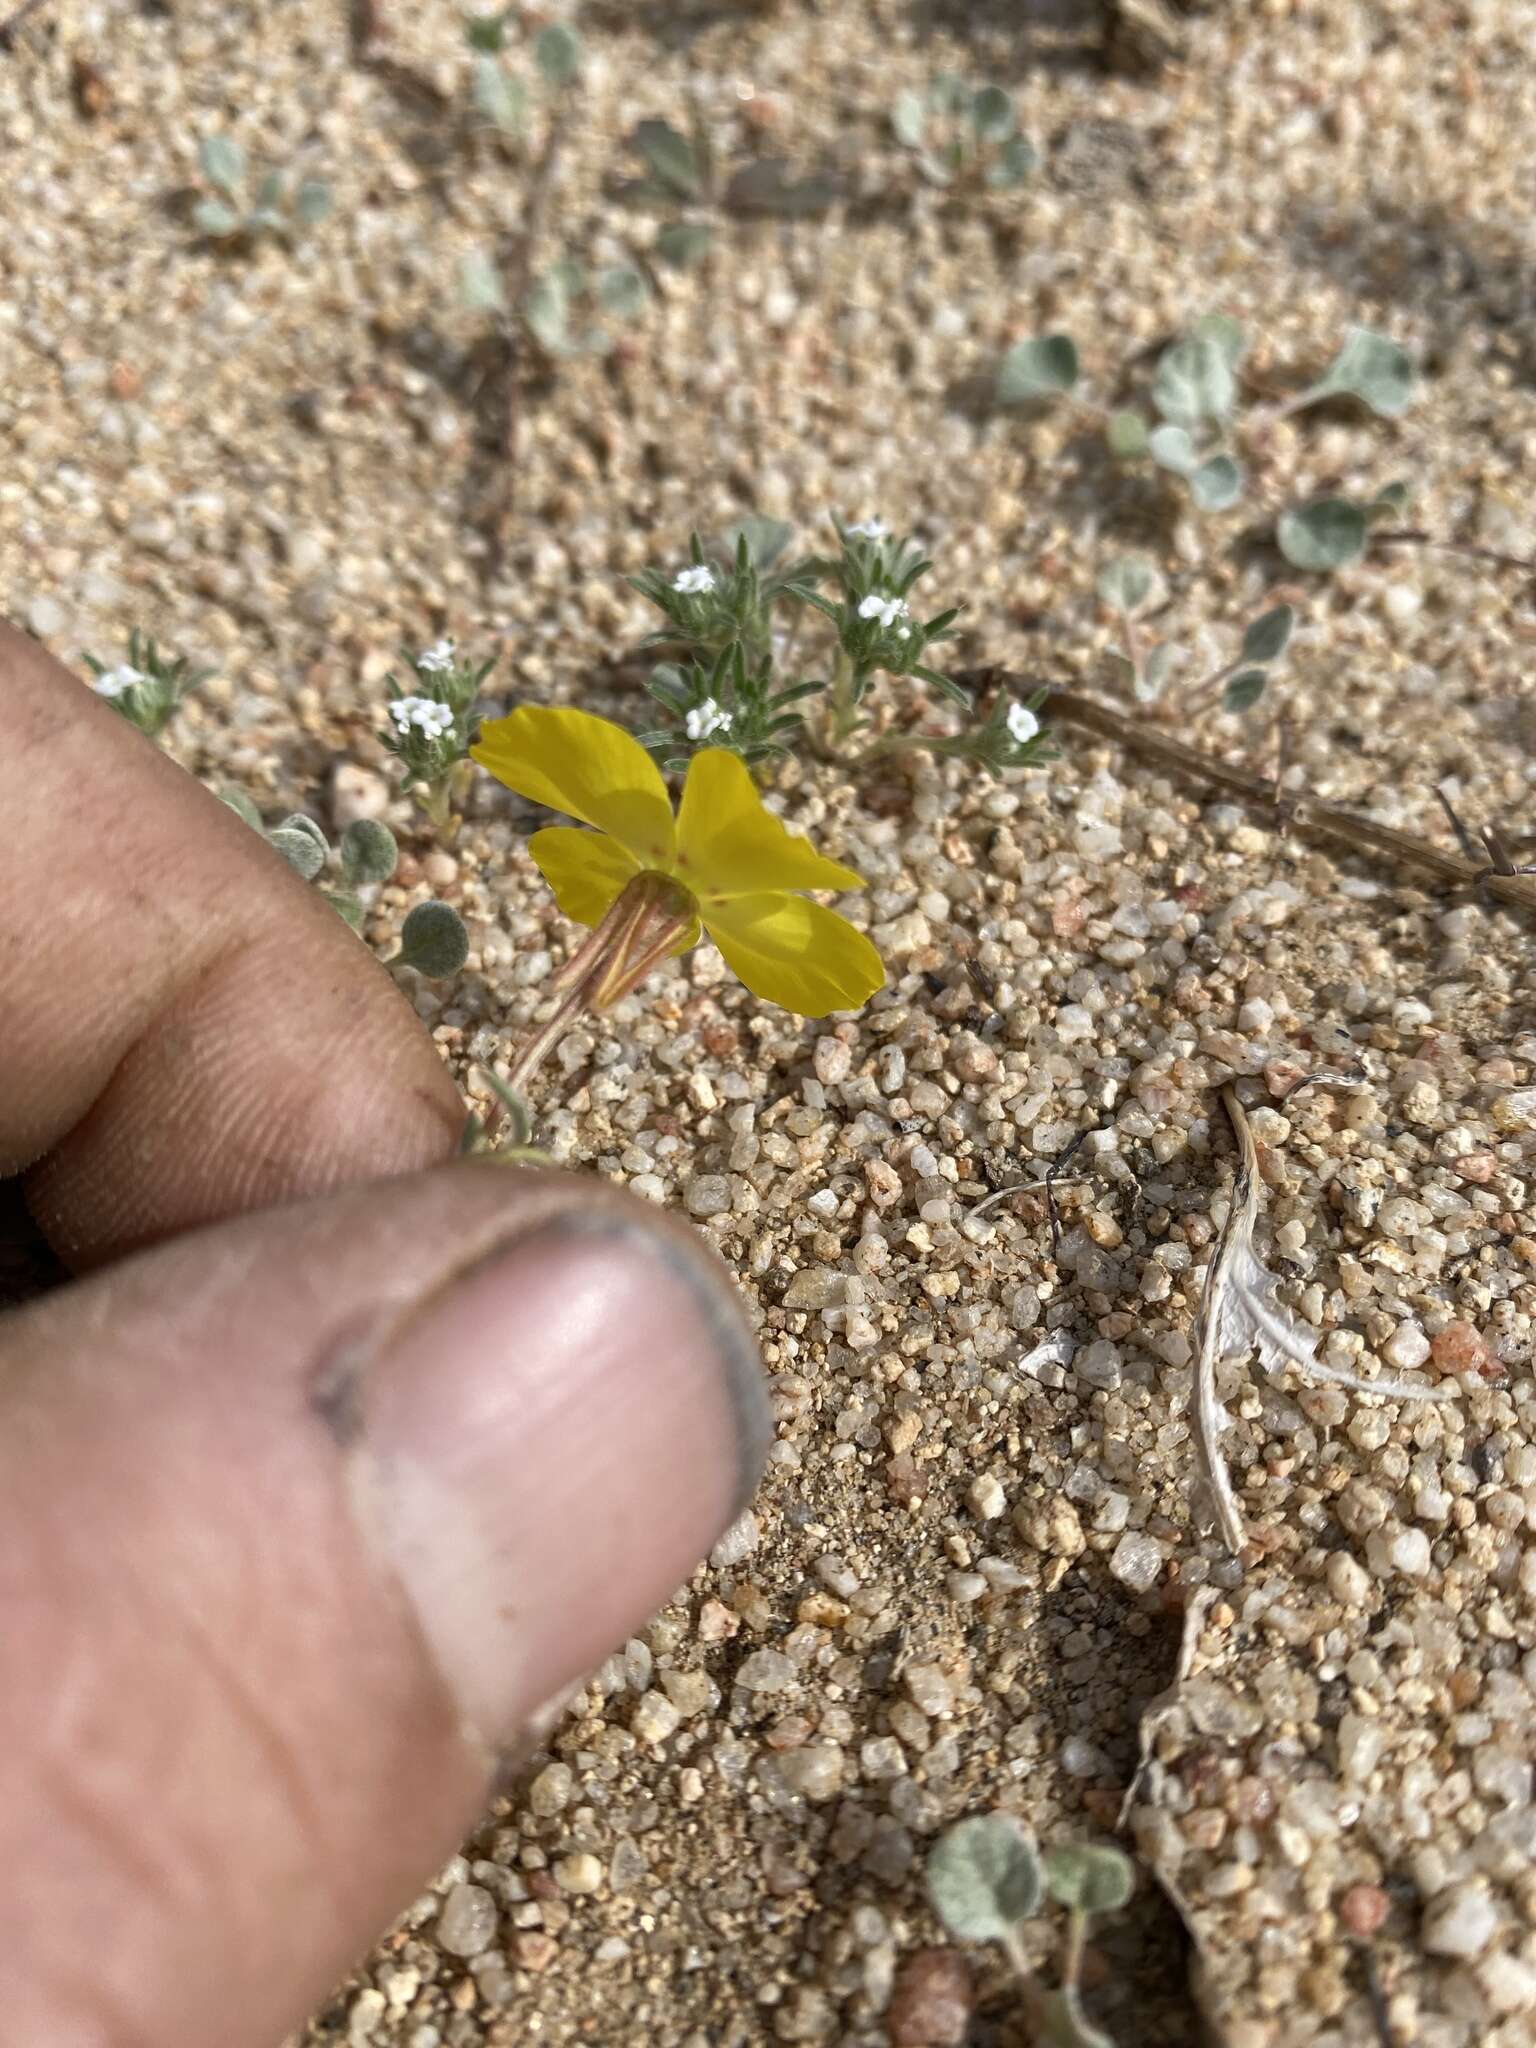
pixel 436 800
pixel 639 929
pixel 1029 1990
pixel 536 1047
pixel 1072 1961
pixel 843 702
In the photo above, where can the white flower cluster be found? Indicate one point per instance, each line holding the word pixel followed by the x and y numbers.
pixel 888 610
pixel 434 660
pixel 424 713
pixel 1022 724
pixel 869 529
pixel 113 681
pixel 706 719
pixel 695 580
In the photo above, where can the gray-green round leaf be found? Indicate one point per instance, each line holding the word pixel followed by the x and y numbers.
pixel 670 158
pixel 547 309
pixel 1269 635
pixel 1043 368
pixel 346 906
pixel 480 285
pixel 368 851
pixel 213 218
pixel 1390 502
pixel 1224 333
pixel 557 52
pixel 303 853
pixel 992 115
pixel 1324 535
pixel 1129 582
pixel 621 290
pixel 1216 484
pixel 223 162
pixel 312 201
pixel 502 98
pixel 297 822
pixel 909 119
pixel 1014 163
pixel 242 807
pixel 433 940
pixel 1090 1879
pixel 1154 672
pixel 1126 433
pixel 984 1877
pixel 1194 382
pixel 1244 690
pixel 1172 448
pixel 682 243
pixel 1377 371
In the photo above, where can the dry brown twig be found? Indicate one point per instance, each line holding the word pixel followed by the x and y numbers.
pixel 1331 823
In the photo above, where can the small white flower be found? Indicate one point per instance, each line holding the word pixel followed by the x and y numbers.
pixel 886 609
pixel 115 680
pixel 1022 724
pixel 424 713
pixel 692 581
pixel 870 529
pixel 436 658
pixel 705 719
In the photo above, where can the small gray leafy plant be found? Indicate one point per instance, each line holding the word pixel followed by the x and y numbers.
pixel 1131 586
pixel 283 204
pixel 1194 423
pixel 963 134
pixel 986 1879
pixel 433 938
pixel 684 176
pixel 503 99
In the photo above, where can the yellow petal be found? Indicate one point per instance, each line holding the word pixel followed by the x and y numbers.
pixel 728 845
pixel 793 952
pixel 587 767
pixel 586 870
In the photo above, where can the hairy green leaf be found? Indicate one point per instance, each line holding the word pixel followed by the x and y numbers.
pixel 1244 689
pixel 1090 1878
pixel 1324 535
pixel 223 163
pixel 1043 368
pixel 670 158
pixel 984 1877
pixel 557 52
pixel 1371 368
pixel 1129 582
pixel 1194 382
pixel 682 243
pixel 1126 433
pixel 434 941
pixel 1269 635
pixel 1216 484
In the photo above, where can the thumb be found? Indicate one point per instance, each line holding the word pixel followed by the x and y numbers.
pixel 303 1520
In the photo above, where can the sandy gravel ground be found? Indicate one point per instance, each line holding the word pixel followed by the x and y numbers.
pixel 969 1568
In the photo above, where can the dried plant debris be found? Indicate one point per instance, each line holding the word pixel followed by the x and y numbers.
pixel 1240 1311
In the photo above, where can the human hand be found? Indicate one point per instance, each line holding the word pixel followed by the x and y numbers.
pixel 318 1486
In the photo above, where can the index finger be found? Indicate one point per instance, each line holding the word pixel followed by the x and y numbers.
pixel 186 1029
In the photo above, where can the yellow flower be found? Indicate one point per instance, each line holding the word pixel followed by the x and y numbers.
pixel 736 864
